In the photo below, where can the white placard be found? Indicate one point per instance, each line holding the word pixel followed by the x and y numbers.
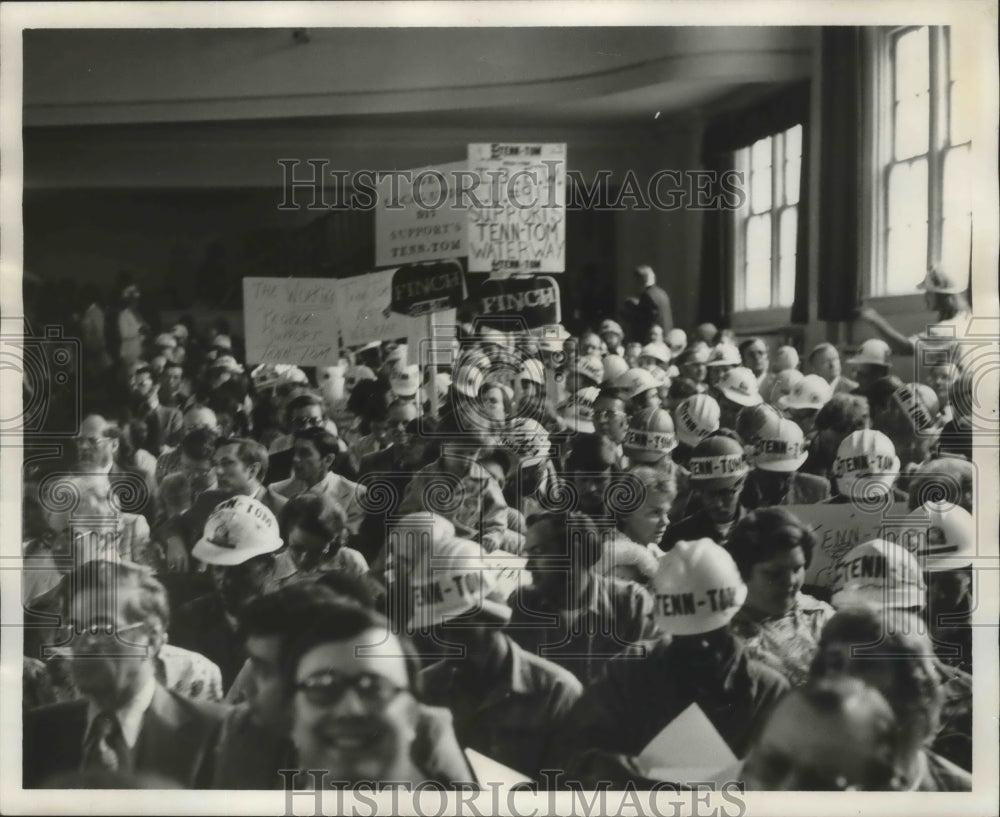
pixel 517 220
pixel 291 320
pixel 419 216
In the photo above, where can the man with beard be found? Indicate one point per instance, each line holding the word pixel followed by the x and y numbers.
pixel 127 721
pixel 164 423
pixel 239 545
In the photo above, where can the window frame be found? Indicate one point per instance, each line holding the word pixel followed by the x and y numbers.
pixel 879 159
pixel 739 223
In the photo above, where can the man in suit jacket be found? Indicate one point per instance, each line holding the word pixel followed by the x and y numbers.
pixel 653 304
pixel 127 721
pixel 164 424
pixel 240 467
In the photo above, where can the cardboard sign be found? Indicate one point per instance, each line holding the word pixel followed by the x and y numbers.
pixel 838 529
pixel 492 773
pixel 291 320
pixel 686 749
pixel 418 216
pixel 528 303
pixel 521 224
pixel 422 289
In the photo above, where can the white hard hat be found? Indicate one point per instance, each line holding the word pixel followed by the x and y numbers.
pixel 650 436
pixel 781 446
pixel 405 382
pixel 408 535
pixel 237 530
pixel 810 392
pixel 697 588
pixel 614 367
pixel 946 536
pixel 533 371
pixel 696 417
pixel 166 339
pixel 785 357
pixel 591 367
pixel 657 350
pixel 725 354
pixel 874 352
pixel 611 326
pixel 740 385
pixel 866 464
pixel 919 403
pixel 879 573
pixel 454 578
pixel 526 437
pixel 578 410
pixel 676 339
pixel 634 382
pixel 781 384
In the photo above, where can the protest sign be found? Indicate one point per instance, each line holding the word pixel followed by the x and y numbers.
pixel 517 218
pixel 528 303
pixel 838 528
pixel 418 217
pixel 291 320
pixel 686 749
pixel 423 289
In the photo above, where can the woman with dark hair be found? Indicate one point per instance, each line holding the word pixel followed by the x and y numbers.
pixel 891 651
pixel 780 624
pixel 314 528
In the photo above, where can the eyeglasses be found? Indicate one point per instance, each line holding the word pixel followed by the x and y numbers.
pixel 328 688
pixel 307 422
pixel 103 630
pixel 91 441
pixel 608 414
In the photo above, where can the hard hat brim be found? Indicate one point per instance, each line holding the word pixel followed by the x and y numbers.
pixel 783 466
pixel 212 554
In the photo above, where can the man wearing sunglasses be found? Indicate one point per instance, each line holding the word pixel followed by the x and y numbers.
pixel 126 721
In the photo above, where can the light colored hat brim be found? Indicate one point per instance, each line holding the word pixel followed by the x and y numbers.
pixel 434 615
pixel 897 598
pixel 785 402
pixel 783 466
pixel 859 360
pixel 211 554
pixel 742 399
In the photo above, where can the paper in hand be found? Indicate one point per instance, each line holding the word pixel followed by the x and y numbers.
pixel 489 771
pixel 687 748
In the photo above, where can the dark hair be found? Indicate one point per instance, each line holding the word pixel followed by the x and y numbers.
pixel 589 453
pixel 285 612
pixel 199 444
pixel 317 514
pixel 343 620
pixel 821 347
pixel 321 439
pixel 844 413
pixel 748 343
pixel 682 387
pixel 950 304
pixel 354 588
pixel 109 578
pixel 304 401
pixel 766 533
pixel 726 432
pixel 249 452
pixel 583 538
pixel 896 636
pixel 609 393
pixel 880 392
pixel 500 456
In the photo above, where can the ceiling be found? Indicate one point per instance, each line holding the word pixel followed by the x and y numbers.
pixel 407 75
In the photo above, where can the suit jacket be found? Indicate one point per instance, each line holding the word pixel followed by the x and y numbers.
pixel 201 625
pixel 177 740
pixel 803 489
pixel 654 307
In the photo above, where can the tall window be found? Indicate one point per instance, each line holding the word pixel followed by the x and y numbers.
pixel 926 214
pixel 766 226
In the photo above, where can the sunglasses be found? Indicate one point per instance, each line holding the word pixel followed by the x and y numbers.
pixel 328 689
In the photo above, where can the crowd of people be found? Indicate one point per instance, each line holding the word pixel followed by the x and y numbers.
pixel 544 550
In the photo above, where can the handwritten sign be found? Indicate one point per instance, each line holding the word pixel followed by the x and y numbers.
pixel 517 220
pixel 289 320
pixel 419 216
pixel 839 528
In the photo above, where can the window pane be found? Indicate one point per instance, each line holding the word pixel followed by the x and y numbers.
pixel 908 194
pixel 793 170
pixel 911 126
pixel 962 53
pixel 760 153
pixel 957 211
pixel 757 282
pixel 912 64
pixel 907 258
pixel 787 231
pixel 786 281
pixel 793 142
pixel 758 285
pixel 760 191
